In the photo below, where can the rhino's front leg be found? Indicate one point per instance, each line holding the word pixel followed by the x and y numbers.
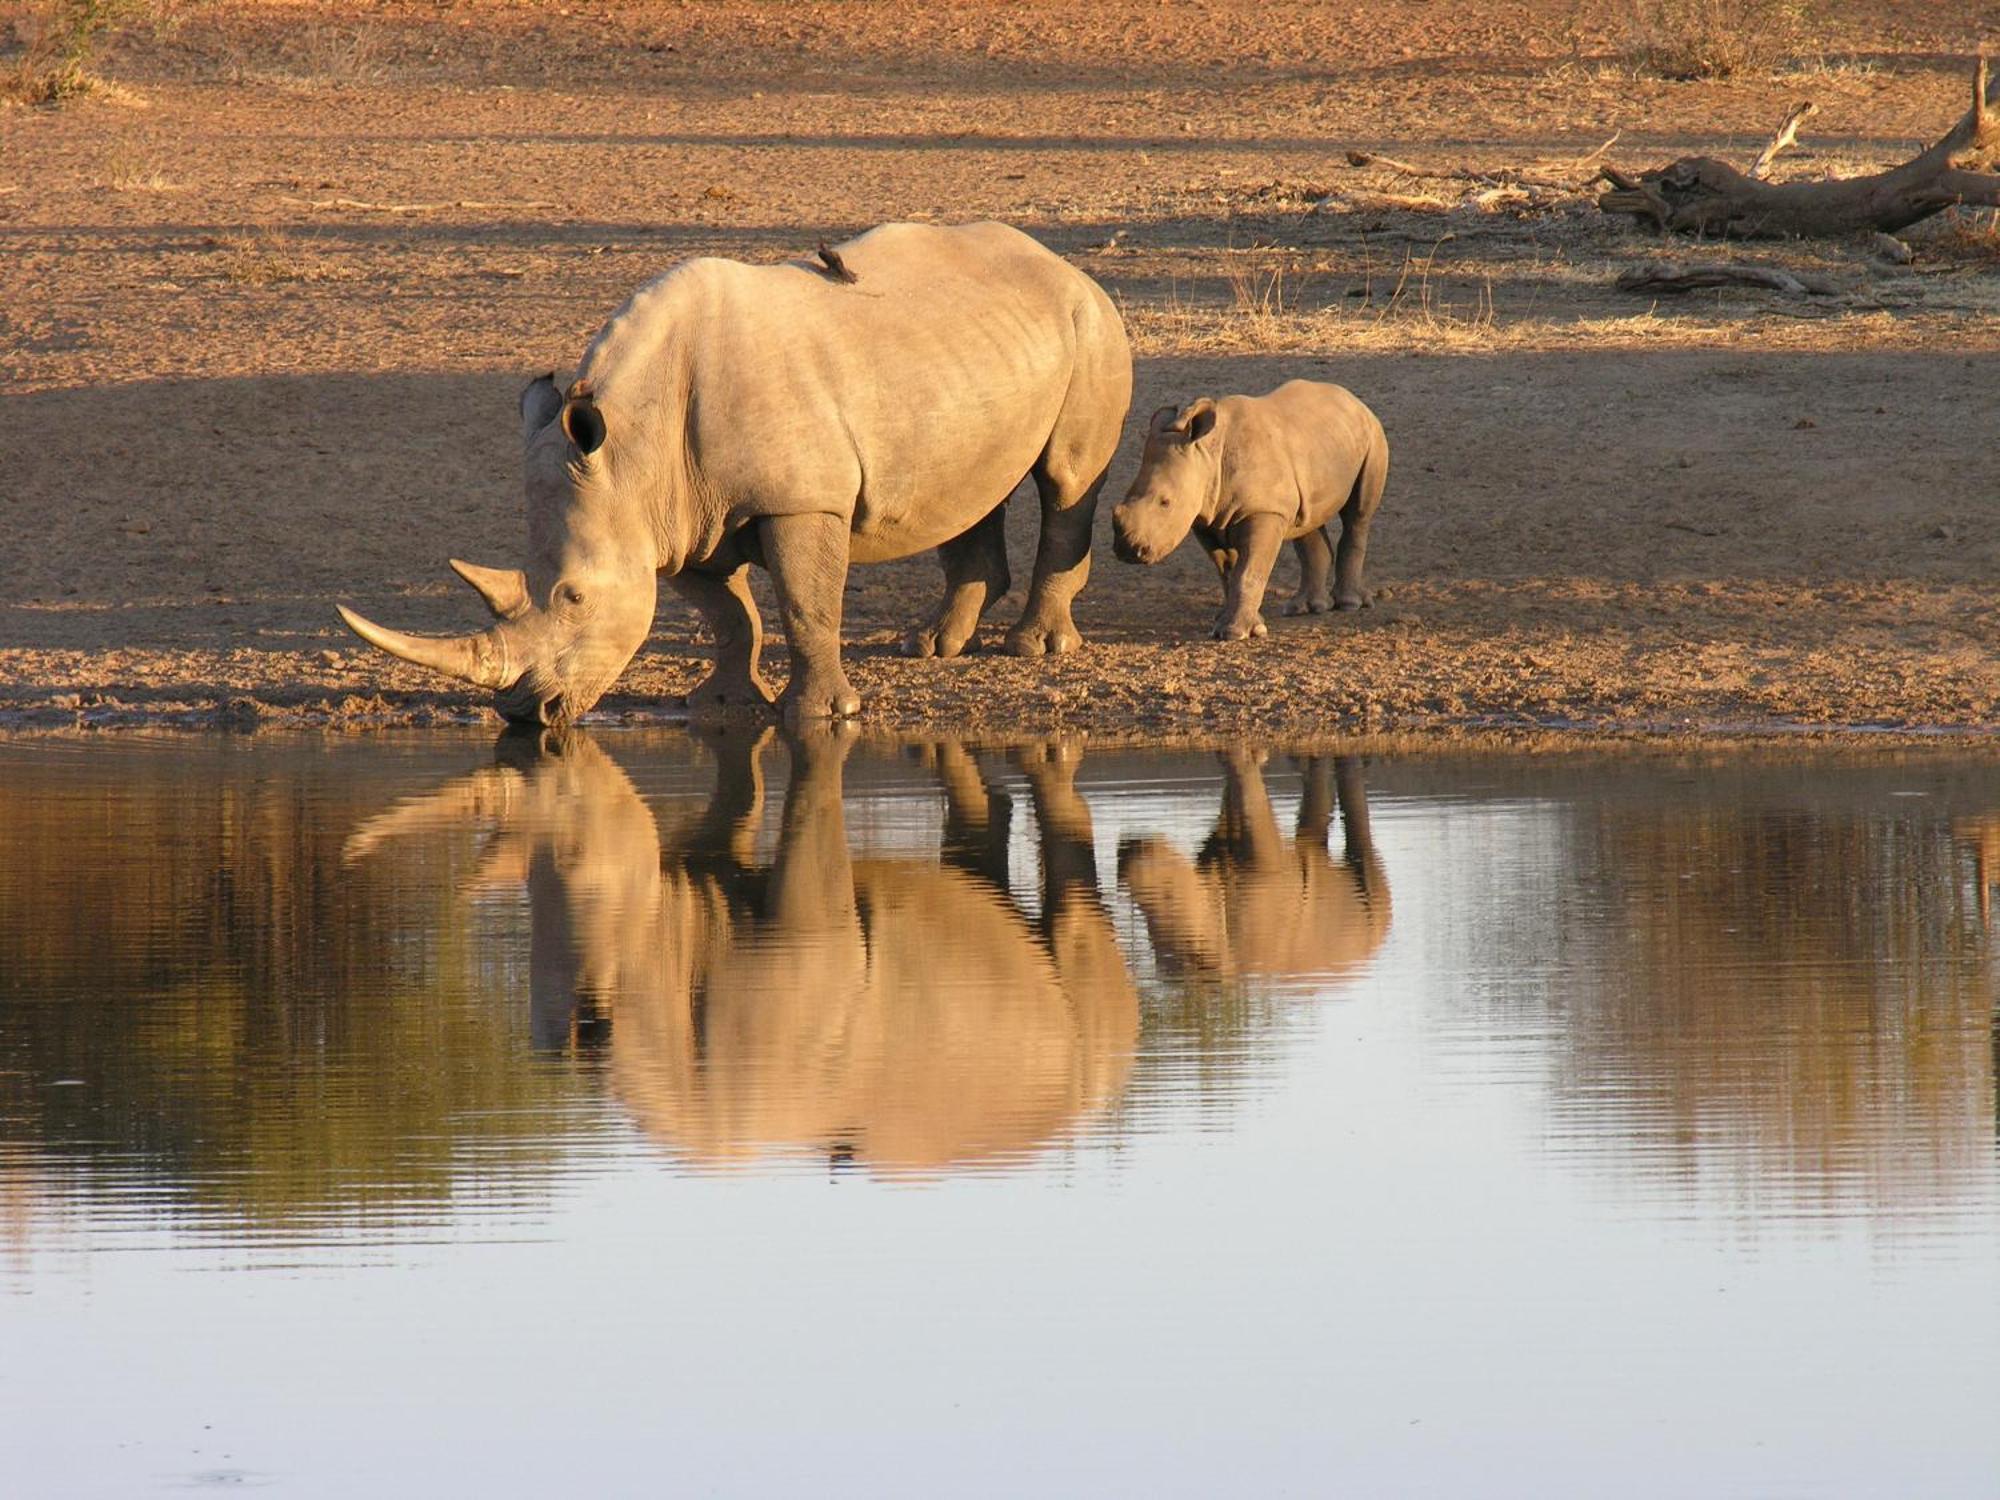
pixel 1255 542
pixel 1315 565
pixel 730 613
pixel 807 556
pixel 1062 567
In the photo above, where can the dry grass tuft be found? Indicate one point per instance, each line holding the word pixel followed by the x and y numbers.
pixel 1264 304
pixel 269 257
pixel 125 171
pixel 1273 309
pixel 66 36
pixel 1686 39
pixel 341 54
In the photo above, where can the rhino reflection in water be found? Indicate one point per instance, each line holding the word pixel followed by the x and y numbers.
pixel 891 1011
pixel 1254 905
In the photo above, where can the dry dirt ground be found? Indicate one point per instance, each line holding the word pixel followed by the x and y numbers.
pixel 265 307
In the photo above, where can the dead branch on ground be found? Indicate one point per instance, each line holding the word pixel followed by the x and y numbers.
pixel 1671 277
pixel 1703 196
pixel 1499 177
pixel 357 205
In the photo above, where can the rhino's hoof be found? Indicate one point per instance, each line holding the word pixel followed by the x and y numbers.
pixel 1042 642
pixel 937 642
pixel 712 699
pixel 1308 606
pixel 810 705
pixel 1232 630
pixel 1350 602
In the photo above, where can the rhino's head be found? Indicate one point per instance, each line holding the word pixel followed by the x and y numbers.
pixel 564 627
pixel 1177 473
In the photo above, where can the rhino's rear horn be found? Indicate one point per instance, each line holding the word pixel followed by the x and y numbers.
pixel 505 590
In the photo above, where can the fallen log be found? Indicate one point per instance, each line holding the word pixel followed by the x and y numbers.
pixel 1703 196
pixel 1672 277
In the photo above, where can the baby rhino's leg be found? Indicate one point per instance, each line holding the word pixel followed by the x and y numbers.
pixel 1315 564
pixel 1255 542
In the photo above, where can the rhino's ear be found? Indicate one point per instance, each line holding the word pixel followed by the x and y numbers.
pixel 1199 419
pixel 1164 418
pixel 581 419
pixel 539 404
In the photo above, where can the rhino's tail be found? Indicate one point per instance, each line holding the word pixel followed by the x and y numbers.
pixel 1369 482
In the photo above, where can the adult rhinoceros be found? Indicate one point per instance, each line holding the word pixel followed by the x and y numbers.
pixel 801 417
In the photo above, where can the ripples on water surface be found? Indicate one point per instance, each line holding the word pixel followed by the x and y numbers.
pixel 651 1114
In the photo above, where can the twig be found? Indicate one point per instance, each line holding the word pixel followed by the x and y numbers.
pixel 1788 135
pixel 1499 177
pixel 1589 158
pixel 357 205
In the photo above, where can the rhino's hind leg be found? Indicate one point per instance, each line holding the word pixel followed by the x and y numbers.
pixel 727 608
pixel 1355 517
pixel 975 575
pixel 1062 566
pixel 1315 566
pixel 1069 475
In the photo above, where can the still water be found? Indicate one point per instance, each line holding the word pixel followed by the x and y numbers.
pixel 652 1114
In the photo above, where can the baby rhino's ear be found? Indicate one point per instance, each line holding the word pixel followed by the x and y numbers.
pixel 1198 421
pixel 1163 419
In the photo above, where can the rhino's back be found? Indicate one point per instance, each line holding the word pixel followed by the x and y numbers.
pixel 913 398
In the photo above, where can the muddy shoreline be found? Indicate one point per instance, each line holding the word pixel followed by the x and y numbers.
pixel 256 363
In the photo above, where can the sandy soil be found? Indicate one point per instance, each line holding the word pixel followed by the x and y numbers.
pixel 264 311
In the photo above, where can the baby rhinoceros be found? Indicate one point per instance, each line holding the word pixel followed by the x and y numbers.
pixel 1247 473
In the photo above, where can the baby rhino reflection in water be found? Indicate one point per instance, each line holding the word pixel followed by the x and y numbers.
pixel 1254 905
pixel 896 1012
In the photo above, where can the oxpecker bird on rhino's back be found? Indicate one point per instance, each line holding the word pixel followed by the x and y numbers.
pixel 799 420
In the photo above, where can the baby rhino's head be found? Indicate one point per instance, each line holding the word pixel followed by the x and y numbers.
pixel 1177 473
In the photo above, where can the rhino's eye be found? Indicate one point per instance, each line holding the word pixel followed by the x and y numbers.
pixel 571 595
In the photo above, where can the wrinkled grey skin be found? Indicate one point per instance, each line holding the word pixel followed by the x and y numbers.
pixel 1248 473
pixel 777 415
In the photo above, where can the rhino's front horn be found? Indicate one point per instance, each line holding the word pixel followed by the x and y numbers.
pixel 481 659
